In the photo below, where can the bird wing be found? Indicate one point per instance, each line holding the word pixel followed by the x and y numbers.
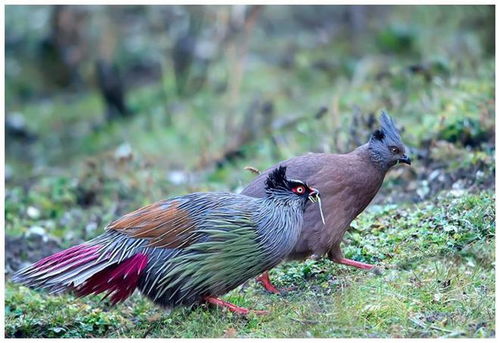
pixel 175 223
pixel 216 239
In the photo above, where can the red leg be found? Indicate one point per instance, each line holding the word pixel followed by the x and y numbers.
pixel 231 307
pixel 264 281
pixel 356 264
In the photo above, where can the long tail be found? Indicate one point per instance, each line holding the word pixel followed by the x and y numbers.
pixel 88 268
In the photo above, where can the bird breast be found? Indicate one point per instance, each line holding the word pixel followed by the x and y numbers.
pixel 279 231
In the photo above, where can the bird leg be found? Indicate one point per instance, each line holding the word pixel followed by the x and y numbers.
pixel 356 264
pixel 264 280
pixel 231 307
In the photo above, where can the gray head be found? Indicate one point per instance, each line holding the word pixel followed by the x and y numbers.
pixel 385 144
pixel 279 186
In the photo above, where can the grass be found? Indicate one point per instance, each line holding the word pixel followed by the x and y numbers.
pixel 436 275
pixel 435 278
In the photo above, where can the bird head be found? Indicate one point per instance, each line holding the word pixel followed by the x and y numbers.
pixel 278 183
pixel 386 146
pixel 278 186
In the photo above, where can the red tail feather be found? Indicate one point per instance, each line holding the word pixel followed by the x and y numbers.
pixel 77 253
pixel 119 280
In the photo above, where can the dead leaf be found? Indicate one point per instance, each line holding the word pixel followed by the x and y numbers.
pixel 230 333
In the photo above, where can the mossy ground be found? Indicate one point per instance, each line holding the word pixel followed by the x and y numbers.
pixel 430 230
pixel 435 277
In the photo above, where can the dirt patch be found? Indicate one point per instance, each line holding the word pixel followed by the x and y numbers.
pixel 21 251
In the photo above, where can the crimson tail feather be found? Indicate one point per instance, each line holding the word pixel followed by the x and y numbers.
pixel 85 269
pixel 56 272
pixel 118 280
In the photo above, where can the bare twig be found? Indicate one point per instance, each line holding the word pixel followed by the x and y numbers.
pixel 253 170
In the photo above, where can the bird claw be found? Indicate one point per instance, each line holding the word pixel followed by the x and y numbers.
pixel 266 283
pixel 232 307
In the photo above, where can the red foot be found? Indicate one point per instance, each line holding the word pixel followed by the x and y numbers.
pixel 356 264
pixel 266 283
pixel 231 307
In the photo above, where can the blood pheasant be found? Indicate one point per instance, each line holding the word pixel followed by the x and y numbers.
pixel 185 250
pixel 348 183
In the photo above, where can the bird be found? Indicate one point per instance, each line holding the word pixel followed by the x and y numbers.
pixel 185 250
pixel 348 183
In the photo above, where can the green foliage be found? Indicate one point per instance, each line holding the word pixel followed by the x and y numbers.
pixel 397 39
pixel 436 275
pixel 436 278
pixel 451 224
pixel 465 131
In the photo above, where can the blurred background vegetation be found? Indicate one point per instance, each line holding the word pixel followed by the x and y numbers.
pixel 109 108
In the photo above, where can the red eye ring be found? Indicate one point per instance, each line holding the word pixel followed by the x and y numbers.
pixel 299 190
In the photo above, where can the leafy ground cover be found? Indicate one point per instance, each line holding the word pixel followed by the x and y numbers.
pixel 430 229
pixel 435 278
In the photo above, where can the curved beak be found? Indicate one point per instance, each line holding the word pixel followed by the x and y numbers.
pixel 405 159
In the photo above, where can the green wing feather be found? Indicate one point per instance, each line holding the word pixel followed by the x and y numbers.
pixel 229 256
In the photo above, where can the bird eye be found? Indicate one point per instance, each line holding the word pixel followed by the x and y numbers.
pixel 394 150
pixel 299 190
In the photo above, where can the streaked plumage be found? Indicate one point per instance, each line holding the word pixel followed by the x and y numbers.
pixel 182 250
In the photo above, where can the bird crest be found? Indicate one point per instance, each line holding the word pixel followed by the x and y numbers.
pixel 387 129
pixel 277 179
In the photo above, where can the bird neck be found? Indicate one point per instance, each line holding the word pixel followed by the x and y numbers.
pixel 373 156
pixel 284 198
pixel 280 224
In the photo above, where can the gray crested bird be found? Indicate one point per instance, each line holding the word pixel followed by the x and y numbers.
pixel 348 183
pixel 185 250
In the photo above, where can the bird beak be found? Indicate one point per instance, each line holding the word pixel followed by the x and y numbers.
pixel 313 197
pixel 405 159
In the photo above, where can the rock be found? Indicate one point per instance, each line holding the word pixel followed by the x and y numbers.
pixel 123 152
pixel 457 193
pixel 33 212
pixel 15 127
pixel 434 174
pixel 177 177
pixel 479 175
pixel 458 185
pixel 424 189
pixel 37 231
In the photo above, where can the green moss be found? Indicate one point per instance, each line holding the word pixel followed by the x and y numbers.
pixel 436 278
pixel 437 257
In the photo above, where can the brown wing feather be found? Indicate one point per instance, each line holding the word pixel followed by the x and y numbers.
pixel 164 224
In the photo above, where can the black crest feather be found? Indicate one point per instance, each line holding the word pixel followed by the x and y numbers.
pixel 378 134
pixel 387 129
pixel 277 179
